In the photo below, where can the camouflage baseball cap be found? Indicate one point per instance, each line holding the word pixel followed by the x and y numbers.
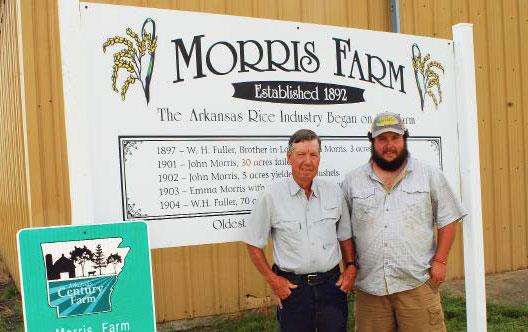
pixel 385 122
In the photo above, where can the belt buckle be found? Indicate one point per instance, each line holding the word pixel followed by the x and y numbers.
pixel 309 279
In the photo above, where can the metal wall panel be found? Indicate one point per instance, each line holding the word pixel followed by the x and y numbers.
pixel 44 114
pixel 500 44
pixel 14 207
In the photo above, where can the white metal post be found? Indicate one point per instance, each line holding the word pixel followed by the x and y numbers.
pixel 75 115
pixel 470 177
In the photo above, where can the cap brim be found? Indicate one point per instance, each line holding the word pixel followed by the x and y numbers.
pixel 376 133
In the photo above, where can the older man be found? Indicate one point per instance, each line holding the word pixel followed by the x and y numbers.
pixel 396 202
pixel 310 227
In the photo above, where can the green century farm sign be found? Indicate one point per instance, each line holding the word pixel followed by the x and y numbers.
pixel 93 278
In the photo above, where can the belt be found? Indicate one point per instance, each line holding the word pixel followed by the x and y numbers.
pixel 312 279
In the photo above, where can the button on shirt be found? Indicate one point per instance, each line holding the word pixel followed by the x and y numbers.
pixel 305 232
pixel 393 231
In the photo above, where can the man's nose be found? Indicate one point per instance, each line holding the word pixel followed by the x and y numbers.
pixel 391 143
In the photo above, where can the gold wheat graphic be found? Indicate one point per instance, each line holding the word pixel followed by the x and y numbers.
pixel 130 59
pixel 427 79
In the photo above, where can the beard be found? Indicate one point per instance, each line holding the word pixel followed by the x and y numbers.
pixel 389 165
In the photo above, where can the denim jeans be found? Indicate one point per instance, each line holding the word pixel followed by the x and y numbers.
pixel 321 308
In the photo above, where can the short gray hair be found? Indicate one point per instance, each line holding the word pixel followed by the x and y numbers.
pixel 303 135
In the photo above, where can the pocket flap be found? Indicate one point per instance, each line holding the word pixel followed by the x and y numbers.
pixel 288 225
pixel 411 188
pixel 363 194
pixel 330 212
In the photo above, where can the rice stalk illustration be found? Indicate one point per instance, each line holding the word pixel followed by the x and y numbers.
pixel 130 59
pixel 427 79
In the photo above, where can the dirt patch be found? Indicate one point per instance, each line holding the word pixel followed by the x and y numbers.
pixel 10 303
pixel 502 288
pixel 4 276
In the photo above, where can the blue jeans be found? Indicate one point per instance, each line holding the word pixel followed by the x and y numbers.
pixel 321 308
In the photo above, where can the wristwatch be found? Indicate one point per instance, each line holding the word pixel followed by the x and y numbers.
pixel 354 263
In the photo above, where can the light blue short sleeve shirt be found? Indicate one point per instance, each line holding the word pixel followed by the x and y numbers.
pixel 393 231
pixel 305 232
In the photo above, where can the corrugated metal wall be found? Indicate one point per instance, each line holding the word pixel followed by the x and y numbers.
pixel 500 30
pixel 44 111
pixel 14 204
pixel 33 164
pixel 213 279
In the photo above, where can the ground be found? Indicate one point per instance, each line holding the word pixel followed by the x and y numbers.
pixel 507 299
pixel 506 296
pixel 10 303
pixel 502 288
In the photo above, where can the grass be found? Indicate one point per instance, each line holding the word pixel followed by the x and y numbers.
pixel 10 308
pixel 507 317
pixel 501 318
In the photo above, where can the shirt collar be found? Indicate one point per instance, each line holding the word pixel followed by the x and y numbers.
pixel 367 168
pixel 294 187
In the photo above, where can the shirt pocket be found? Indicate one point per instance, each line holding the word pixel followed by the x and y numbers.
pixel 416 202
pixel 327 227
pixel 288 232
pixel 363 204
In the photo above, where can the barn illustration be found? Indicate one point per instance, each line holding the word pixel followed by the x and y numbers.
pixel 62 265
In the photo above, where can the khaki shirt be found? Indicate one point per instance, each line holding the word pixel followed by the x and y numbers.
pixel 305 232
pixel 393 231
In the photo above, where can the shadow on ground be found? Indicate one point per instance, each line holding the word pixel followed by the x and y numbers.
pixel 504 288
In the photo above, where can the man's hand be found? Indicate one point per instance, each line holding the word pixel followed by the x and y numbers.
pixel 347 279
pixel 281 288
pixel 438 272
pixel 446 236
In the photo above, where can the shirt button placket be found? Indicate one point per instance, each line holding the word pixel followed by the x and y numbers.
pixel 385 246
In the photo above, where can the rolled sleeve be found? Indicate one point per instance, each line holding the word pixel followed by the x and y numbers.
pixel 344 226
pixel 259 223
pixel 446 206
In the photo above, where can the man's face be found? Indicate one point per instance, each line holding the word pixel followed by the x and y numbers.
pixel 304 160
pixel 389 151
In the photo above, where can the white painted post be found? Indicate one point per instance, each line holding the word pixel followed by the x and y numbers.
pixel 470 177
pixel 73 68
